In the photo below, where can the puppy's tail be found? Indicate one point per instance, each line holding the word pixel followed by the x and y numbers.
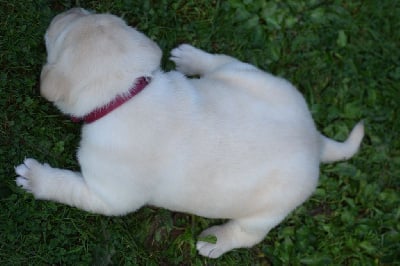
pixel 332 151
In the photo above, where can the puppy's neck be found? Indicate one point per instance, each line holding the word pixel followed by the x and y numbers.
pixel 119 100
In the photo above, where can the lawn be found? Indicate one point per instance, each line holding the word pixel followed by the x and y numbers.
pixel 344 56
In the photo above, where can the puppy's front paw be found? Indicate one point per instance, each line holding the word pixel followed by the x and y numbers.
pixel 29 174
pixel 188 59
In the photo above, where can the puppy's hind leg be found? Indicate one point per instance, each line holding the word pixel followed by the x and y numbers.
pixel 63 186
pixel 192 61
pixel 236 234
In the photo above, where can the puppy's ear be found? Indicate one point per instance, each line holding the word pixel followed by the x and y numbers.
pixel 54 85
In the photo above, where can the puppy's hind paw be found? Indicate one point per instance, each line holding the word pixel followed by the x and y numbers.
pixel 208 250
pixel 220 241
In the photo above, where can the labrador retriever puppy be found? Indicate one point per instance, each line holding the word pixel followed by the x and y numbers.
pixel 236 143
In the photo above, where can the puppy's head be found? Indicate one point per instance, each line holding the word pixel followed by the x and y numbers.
pixel 91 58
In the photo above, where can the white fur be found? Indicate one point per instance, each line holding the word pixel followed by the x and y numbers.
pixel 236 143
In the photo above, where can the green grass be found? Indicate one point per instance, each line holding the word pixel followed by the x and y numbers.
pixel 342 55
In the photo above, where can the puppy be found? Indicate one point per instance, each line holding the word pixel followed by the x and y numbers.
pixel 237 143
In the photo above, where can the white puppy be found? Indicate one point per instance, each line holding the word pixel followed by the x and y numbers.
pixel 237 143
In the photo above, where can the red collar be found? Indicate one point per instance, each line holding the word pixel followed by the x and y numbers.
pixel 119 100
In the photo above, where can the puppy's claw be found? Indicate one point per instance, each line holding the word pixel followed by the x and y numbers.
pixel 23 183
